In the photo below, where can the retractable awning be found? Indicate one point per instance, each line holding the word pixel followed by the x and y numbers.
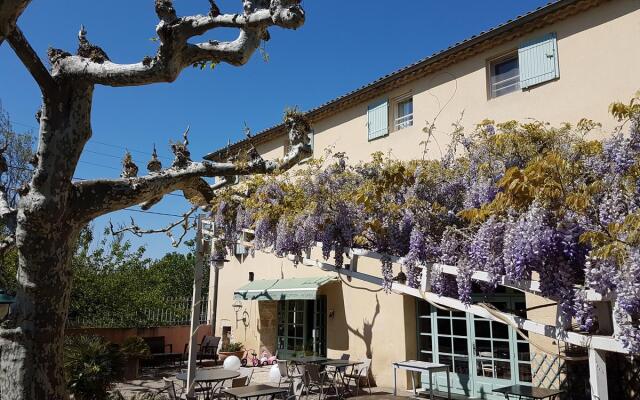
pixel 282 289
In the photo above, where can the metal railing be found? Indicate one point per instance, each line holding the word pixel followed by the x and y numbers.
pixel 173 312
pixel 403 122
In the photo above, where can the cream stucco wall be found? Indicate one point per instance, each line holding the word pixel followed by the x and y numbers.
pixel 599 60
pixel 366 322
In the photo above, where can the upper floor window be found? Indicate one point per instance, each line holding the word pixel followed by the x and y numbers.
pixel 505 75
pixel 404 114
pixel 535 62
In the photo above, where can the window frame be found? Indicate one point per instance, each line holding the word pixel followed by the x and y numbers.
pixel 491 63
pixel 395 113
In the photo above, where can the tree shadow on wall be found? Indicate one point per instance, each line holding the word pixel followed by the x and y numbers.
pixel 367 329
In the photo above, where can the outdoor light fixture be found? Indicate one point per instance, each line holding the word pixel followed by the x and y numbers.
pixel 401 278
pixel 237 306
pixel 5 304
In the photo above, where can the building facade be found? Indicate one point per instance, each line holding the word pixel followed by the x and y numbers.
pixel 563 62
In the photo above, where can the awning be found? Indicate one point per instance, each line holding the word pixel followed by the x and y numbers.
pixel 282 289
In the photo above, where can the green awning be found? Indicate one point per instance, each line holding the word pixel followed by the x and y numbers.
pixel 282 289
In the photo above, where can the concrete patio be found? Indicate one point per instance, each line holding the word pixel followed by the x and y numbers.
pixel 151 382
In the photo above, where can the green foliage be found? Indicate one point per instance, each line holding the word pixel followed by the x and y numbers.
pixel 232 347
pixel 114 283
pixel 136 347
pixel 91 366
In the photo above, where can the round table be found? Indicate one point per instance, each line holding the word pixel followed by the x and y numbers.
pixel 210 377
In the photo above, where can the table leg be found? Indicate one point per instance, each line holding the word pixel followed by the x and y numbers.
pixel 395 384
pixel 413 382
pixel 448 384
pixel 431 384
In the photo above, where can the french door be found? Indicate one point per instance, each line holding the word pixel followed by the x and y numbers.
pixel 483 354
pixel 301 327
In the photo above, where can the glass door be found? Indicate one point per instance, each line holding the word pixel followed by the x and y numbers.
pixel 301 327
pixel 443 337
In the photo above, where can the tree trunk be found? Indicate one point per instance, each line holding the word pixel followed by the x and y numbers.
pixel 31 340
pixel 31 343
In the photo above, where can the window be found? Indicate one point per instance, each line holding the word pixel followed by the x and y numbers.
pixel 535 62
pixel 505 76
pixel 404 114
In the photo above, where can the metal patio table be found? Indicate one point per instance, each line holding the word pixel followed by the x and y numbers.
pixel 209 379
pixel 256 391
pixel 421 366
pixel 528 392
pixel 341 368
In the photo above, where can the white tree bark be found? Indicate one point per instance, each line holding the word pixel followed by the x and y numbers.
pixel 52 209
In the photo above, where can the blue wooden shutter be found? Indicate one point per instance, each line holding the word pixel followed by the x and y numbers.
pixel 538 61
pixel 378 119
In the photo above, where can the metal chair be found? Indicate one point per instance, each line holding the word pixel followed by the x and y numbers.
pixel 297 387
pixel 246 372
pixel 315 378
pixel 360 372
pixel 287 376
pixel 170 389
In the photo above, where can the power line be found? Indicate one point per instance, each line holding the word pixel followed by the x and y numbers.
pixel 78 179
pixel 147 153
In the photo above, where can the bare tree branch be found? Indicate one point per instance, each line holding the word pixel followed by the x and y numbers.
pixel 175 53
pixel 30 59
pixel 184 222
pixel 98 197
pixel 10 10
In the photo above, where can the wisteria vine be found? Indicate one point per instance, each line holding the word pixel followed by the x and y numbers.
pixel 519 201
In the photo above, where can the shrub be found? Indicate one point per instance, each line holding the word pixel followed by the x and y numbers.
pixel 136 347
pixel 92 365
pixel 232 347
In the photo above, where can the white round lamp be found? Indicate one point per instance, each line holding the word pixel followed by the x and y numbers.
pixel 231 363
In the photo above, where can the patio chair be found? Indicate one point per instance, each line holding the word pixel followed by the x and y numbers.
pixel 297 387
pixel 246 372
pixel 170 389
pixel 209 348
pixel 287 376
pixel 332 370
pixel 360 372
pixel 315 378
pixel 486 365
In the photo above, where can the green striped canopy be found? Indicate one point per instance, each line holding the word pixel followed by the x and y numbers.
pixel 282 289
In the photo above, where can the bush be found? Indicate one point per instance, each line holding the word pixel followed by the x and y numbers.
pixel 92 365
pixel 232 347
pixel 136 347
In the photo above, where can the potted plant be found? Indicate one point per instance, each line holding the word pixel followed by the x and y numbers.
pixel 231 349
pixel 134 349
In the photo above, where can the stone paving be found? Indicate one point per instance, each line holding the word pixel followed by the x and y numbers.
pixel 151 382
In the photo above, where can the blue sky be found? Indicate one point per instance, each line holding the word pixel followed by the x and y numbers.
pixel 343 45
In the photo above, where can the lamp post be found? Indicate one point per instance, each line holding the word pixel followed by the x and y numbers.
pixel 5 304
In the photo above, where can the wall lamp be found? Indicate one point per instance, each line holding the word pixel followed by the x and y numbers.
pixel 5 304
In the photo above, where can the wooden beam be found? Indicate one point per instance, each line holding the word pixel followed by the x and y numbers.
pixel 598 375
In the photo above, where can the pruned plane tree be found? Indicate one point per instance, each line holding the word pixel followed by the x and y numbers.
pixel 53 208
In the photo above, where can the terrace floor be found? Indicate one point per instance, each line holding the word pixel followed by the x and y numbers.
pixel 151 382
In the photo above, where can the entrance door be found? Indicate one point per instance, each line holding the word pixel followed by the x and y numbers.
pixel 301 327
pixel 443 338
pixel 483 354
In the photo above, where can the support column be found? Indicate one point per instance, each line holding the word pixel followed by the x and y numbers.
pixel 598 374
pixel 196 303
